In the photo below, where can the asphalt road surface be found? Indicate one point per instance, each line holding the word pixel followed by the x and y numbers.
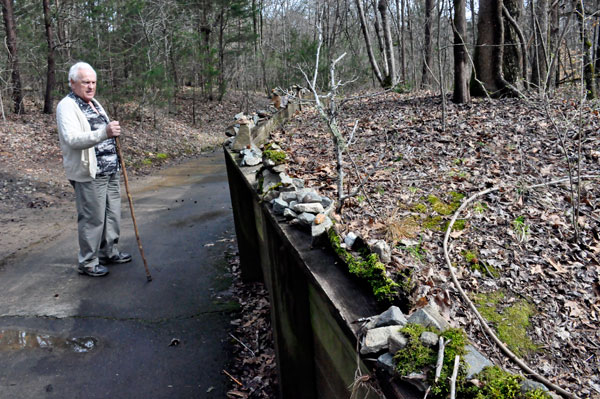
pixel 63 335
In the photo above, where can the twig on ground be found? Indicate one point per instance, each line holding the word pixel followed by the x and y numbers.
pixel 233 378
pixel 243 344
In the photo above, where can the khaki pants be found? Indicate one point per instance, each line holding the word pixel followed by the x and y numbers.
pixel 98 218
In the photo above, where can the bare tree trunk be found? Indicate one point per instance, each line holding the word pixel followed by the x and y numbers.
pixel 390 80
pixel 363 25
pixel 461 63
pixel 380 41
pixel 402 44
pixel 514 44
pixel 540 26
pixel 427 45
pixel 487 77
pixel 473 19
pixel 412 44
pixel 588 68
pixel 11 44
pixel 50 75
pixel 554 46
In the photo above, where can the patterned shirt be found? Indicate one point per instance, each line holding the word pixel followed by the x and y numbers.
pixel 106 151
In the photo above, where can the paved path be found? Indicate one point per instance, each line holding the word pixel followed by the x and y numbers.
pixel 68 336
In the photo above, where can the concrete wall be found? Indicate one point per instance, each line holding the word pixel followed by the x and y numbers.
pixel 313 300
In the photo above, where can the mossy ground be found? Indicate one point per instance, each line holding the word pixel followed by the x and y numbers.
pixel 511 322
pixel 433 214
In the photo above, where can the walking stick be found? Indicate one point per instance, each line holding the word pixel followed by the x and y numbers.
pixel 137 233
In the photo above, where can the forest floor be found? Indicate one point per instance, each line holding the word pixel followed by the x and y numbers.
pixel 513 249
pixel 34 193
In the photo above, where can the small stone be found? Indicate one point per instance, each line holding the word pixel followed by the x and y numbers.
pixel 386 362
pixel 418 380
pixel 279 168
pixel 391 317
pixel 396 342
pixel 326 202
pixel 269 180
pixel 243 139
pixel 306 218
pixel 320 218
pixel 382 249
pixel 289 214
pixel 350 239
pixel 279 206
pixel 376 340
pixel 285 179
pixel 299 183
pixel 429 316
pixel 530 385
pixel 319 232
pixel 268 162
pixel 429 338
pixel 288 196
pixel 311 196
pixel 310 208
pixel 475 361
pixel 270 195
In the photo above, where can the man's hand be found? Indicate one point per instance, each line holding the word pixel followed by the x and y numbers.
pixel 113 129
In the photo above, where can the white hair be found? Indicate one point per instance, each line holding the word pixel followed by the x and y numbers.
pixel 74 71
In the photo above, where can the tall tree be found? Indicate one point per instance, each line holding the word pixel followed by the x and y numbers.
pixel 588 67
pixel 427 44
pixel 11 43
pixel 514 45
pixel 50 74
pixel 540 60
pixel 391 78
pixel 461 65
pixel 488 76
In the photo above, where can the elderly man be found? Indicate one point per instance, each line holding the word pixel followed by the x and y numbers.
pixel 90 159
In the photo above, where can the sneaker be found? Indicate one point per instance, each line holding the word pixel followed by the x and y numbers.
pixel 122 257
pixel 94 271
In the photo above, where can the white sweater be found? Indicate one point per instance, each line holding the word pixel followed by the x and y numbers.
pixel 77 140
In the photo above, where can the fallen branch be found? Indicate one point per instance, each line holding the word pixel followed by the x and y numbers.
pixel 454 376
pixel 485 326
pixel 243 344
pixel 440 360
pixel 233 378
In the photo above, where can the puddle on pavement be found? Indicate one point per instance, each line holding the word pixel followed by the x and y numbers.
pixel 193 172
pixel 204 217
pixel 16 340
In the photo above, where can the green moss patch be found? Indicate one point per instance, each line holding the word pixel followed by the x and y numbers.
pixel 416 357
pixel 368 267
pixel 277 156
pixel 475 263
pixel 445 208
pixel 511 322
pixel 499 384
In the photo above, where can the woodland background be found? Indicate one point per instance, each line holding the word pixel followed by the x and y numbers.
pixel 150 50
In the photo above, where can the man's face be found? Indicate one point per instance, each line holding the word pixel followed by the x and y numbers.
pixel 85 87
